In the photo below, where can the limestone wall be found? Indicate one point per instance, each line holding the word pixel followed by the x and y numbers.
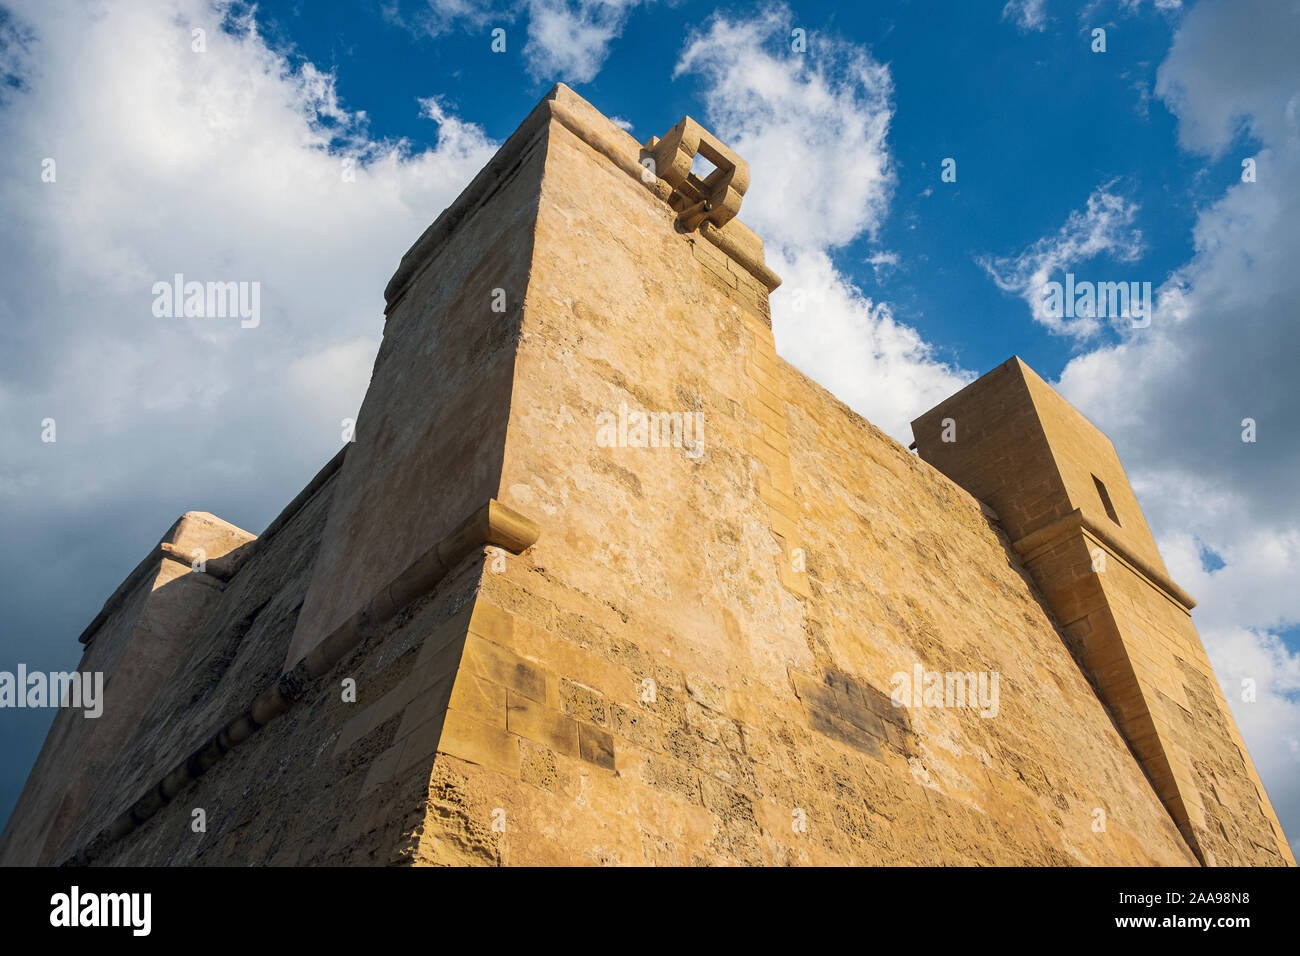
pixel 694 663
pixel 308 789
pixel 658 688
pixel 431 430
pixel 1083 538
pixel 144 633
pixel 1228 811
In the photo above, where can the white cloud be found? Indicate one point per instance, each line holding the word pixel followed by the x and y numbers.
pixel 1105 228
pixel 456 138
pixel 222 165
pixel 1221 348
pixel 813 128
pixel 1242 77
pixel 853 346
pixel 882 263
pixel 569 40
pixel 1095 13
pixel 563 40
pixel 436 17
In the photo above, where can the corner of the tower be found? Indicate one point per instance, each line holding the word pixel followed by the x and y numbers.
pixel 595 545
pixel 1060 491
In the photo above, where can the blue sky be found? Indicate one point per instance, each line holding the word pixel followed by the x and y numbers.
pixel 1116 165
pixel 967 84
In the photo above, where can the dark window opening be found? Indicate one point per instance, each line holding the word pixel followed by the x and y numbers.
pixel 1105 499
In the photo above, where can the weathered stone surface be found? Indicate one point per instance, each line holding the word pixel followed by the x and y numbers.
pixel 1078 526
pixel 145 632
pixel 698 661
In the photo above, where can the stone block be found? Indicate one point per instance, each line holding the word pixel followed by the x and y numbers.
pixel 504 667
pixel 534 720
pixel 483 744
pixel 596 746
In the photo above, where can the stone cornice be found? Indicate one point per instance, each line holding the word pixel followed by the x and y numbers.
pixel 493 524
pixel 1044 539
pixel 587 123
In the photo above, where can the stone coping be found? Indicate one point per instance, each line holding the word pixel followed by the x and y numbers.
pixel 596 130
pixel 222 568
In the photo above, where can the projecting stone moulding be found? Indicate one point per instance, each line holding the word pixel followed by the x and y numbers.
pixel 494 524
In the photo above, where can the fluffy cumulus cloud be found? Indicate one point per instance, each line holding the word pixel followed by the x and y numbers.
pixel 563 40
pixel 828 328
pixel 1103 229
pixel 813 127
pixel 569 39
pixel 1221 349
pixel 129 158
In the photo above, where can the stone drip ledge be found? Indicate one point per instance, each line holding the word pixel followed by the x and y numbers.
pixel 225 567
pixel 1044 539
pixel 493 524
pixel 148 564
pixel 217 570
pixel 596 130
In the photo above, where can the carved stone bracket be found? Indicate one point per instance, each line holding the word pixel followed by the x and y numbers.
pixel 715 198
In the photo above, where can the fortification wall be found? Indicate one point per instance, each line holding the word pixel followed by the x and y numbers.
pixel 661 687
pixel 311 787
pixel 694 662
pixel 1062 492
pixel 135 643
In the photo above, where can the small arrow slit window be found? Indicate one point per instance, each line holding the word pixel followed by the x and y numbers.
pixel 1105 499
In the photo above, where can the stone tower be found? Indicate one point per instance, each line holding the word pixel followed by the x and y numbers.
pixel 604 580
pixel 1061 494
